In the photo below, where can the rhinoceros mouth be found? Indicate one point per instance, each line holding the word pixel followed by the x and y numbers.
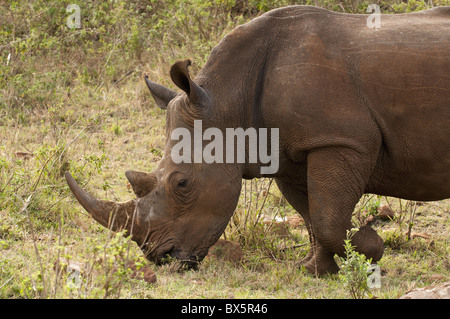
pixel 168 256
pixel 190 262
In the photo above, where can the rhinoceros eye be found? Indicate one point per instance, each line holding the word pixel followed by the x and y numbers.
pixel 182 183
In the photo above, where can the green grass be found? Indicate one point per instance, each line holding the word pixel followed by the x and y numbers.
pixel 76 100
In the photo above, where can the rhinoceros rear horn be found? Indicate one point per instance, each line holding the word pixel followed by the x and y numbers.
pixel 180 76
pixel 116 216
pixel 142 183
pixel 161 94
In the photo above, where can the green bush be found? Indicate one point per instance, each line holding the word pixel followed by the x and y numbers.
pixel 354 270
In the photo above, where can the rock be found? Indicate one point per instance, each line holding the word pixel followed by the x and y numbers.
pixel 226 250
pixel 280 225
pixel 75 267
pixel 75 271
pixel 437 277
pixel 279 228
pixel 294 221
pixel 143 273
pixel 369 220
pixel 440 291
pixel 421 235
pixel 63 265
pixel 24 155
pixel 385 212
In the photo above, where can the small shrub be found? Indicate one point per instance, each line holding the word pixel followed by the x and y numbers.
pixel 395 240
pixel 354 270
pixel 373 205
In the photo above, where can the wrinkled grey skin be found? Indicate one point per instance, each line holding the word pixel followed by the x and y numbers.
pixel 359 111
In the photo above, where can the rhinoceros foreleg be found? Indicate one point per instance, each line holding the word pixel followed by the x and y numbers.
pixel 336 181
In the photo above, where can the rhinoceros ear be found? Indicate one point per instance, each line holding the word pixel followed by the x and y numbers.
pixel 142 183
pixel 161 94
pixel 180 76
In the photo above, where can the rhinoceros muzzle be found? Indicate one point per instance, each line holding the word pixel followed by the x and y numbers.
pixel 187 263
pixel 166 256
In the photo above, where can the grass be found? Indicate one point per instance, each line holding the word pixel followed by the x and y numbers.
pixel 77 101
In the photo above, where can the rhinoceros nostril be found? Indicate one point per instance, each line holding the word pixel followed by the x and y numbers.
pixel 187 261
pixel 166 257
pixel 190 264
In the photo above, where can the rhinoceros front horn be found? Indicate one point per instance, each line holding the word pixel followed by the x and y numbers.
pixel 115 216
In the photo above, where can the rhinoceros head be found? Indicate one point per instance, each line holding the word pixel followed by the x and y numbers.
pixel 180 209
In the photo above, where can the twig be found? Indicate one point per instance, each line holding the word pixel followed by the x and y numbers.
pixel 122 77
pixel 128 250
pixel 6 282
pixel 40 174
pixel 107 61
pixel 247 207
pixel 264 202
pixel 412 214
pixel 293 247
pixel 73 140
pixel 33 236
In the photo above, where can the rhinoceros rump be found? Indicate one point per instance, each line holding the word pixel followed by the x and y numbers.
pixel 359 110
